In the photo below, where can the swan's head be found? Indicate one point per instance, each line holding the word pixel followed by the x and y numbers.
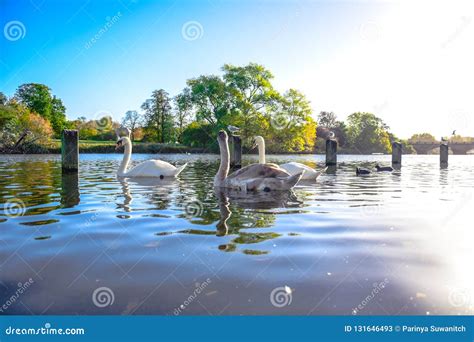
pixel 123 141
pixel 222 136
pixel 258 141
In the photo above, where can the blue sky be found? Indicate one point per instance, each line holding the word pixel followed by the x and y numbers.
pixel 409 62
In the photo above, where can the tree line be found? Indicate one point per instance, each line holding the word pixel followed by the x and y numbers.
pixel 242 96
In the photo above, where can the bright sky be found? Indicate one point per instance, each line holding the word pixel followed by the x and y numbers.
pixel 410 62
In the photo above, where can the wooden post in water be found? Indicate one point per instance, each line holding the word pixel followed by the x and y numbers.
pixel 443 154
pixel 331 152
pixel 396 154
pixel 235 151
pixel 70 150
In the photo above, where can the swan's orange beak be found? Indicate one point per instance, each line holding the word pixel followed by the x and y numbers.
pixel 118 145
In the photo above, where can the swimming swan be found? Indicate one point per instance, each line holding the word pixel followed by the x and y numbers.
pixel 292 168
pixel 149 168
pixel 254 177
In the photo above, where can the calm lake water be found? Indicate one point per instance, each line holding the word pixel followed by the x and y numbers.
pixel 390 243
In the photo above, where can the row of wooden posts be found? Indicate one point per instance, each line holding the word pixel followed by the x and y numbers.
pixel 70 152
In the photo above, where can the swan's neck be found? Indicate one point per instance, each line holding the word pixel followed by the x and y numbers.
pixel 261 152
pixel 224 165
pixel 126 158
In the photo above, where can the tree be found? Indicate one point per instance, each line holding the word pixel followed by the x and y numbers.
pixel 158 119
pixel 210 98
pixel 368 134
pixel 183 106
pixel 37 98
pixel 327 119
pixel 251 93
pixel 422 138
pixel 292 127
pixel 58 115
pixel 132 121
pixel 3 99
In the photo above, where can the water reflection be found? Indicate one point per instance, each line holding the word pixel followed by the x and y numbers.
pixel 329 240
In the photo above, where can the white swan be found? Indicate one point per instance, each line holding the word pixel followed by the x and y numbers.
pixel 292 168
pixel 254 177
pixel 149 168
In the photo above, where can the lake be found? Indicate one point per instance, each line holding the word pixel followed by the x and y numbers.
pixel 391 243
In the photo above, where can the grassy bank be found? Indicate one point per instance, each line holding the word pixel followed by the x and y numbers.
pixel 92 146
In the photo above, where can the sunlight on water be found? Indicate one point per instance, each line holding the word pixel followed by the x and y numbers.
pixel 152 243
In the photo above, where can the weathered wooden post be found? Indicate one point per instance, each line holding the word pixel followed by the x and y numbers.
pixel 396 154
pixel 331 152
pixel 70 150
pixel 443 154
pixel 69 189
pixel 235 151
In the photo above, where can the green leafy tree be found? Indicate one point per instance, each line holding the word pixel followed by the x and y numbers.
pixel 422 138
pixel 210 98
pixel 292 127
pixel 251 93
pixel 158 116
pixel 3 99
pixel 183 108
pixel 37 98
pixel 58 115
pixel 368 134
